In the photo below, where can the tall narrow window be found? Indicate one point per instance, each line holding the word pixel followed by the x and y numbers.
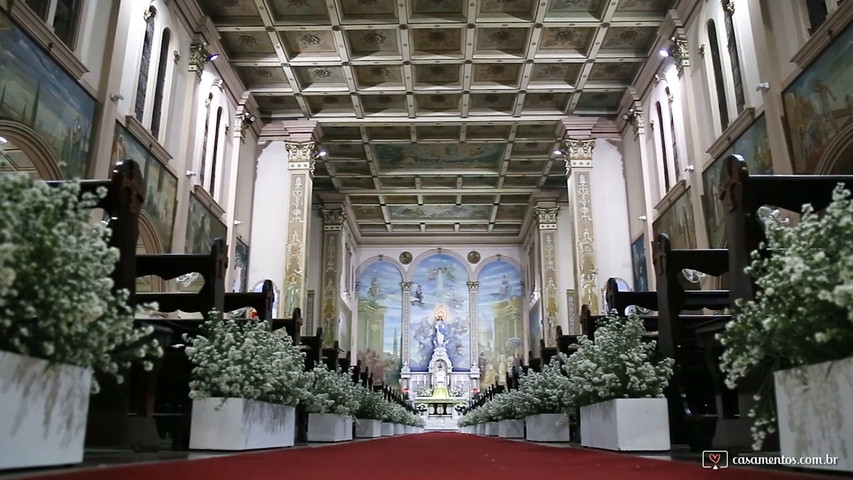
pixel 161 83
pixel 62 15
pixel 664 157
pixel 718 75
pixel 142 82
pixel 675 160
pixel 40 7
pixel 817 14
pixel 215 156
pixel 737 74
pixel 204 139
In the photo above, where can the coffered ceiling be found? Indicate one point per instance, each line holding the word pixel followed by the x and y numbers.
pixel 438 116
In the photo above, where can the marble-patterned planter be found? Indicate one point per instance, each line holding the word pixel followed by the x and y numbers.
pixel 387 429
pixel 626 424
pixel 240 424
pixel 368 428
pixel 43 414
pixel 511 429
pixel 547 427
pixel 328 427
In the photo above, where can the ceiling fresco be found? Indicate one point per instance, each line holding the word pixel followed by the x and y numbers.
pixel 451 109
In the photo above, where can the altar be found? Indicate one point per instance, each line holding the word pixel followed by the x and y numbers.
pixel 438 392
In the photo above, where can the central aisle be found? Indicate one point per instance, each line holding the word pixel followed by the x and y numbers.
pixel 429 456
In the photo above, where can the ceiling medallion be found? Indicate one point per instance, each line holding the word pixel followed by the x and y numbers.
pixel 554 70
pixel 492 98
pixel 263 73
pixel 437 98
pixel 385 99
pixel 380 72
pixel 437 70
pixel 309 39
pixel 473 256
pixel 612 69
pixel 496 70
pixel 330 99
pixel 374 38
pixel 247 40
pixel 228 3
pixel 321 73
pixel 628 36
pixel 406 258
pixel 298 3
pixel 437 36
pixel 565 36
pixel 500 36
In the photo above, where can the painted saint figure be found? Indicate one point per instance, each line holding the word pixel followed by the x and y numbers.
pixel 440 332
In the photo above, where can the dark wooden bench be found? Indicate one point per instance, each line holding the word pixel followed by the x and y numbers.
pixel 261 302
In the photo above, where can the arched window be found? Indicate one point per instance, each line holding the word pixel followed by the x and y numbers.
pixel 142 82
pixel 675 160
pixel 664 160
pixel 204 139
pixel 737 74
pixel 214 157
pixel 161 83
pixel 718 75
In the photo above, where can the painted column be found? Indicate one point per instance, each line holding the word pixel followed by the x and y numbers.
pixel 525 317
pixel 300 164
pixel 639 125
pixel 407 320
pixel 473 288
pixel 333 221
pixel 578 169
pixel 547 220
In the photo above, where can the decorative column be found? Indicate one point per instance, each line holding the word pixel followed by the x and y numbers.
pixel 578 169
pixel 333 224
pixel 300 164
pixel 638 123
pixel 407 320
pixel 547 221
pixel 473 288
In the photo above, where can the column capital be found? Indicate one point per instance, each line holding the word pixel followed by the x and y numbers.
pixel 407 286
pixel 333 219
pixel 473 286
pixel 546 217
pixel 199 56
pixel 300 155
pixel 680 53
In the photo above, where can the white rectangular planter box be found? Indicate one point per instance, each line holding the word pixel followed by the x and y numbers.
pixel 481 429
pixel 328 427
pixel 511 429
pixel 634 424
pixel 815 409
pixel 399 429
pixel 368 428
pixel 387 429
pixel 492 429
pixel 548 427
pixel 240 424
pixel 43 410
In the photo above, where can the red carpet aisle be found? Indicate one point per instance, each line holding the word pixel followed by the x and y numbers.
pixel 445 456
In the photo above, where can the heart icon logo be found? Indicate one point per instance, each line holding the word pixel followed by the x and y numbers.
pixel 714 457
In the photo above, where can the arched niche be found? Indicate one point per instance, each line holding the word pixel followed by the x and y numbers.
pixel 149 243
pixel 380 319
pixel 500 319
pixel 837 159
pixel 33 147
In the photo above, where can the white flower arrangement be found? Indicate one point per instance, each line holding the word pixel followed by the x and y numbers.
pixel 332 392
pixel 546 391
pixel 371 404
pixel 803 305
pixel 618 364
pixel 246 360
pixel 56 298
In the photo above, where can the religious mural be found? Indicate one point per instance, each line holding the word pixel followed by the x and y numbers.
pixel 500 327
pixel 638 259
pixel 161 186
pixel 345 331
pixel 474 156
pixel 202 228
pixel 38 93
pixel 439 290
pixel 535 330
pixel 819 105
pixel 240 266
pixel 753 145
pixel 440 212
pixel 677 222
pixel 380 321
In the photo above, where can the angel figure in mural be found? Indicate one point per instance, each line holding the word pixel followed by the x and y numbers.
pixel 374 290
pixel 419 295
pixel 505 289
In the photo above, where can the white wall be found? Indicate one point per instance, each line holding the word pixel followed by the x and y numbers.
pixel 633 183
pixel 269 228
pixel 92 39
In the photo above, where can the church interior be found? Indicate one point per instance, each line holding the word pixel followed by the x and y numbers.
pixel 597 237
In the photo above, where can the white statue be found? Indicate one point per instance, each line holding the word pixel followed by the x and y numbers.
pixel 440 332
pixel 440 376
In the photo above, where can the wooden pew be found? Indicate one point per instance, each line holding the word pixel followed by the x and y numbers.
pixel 261 301
pixel 313 348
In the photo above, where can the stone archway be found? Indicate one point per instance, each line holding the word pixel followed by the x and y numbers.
pixel 24 149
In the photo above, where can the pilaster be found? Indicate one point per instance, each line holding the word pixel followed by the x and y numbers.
pixel 648 182
pixel 473 288
pixel 300 165
pixel 578 170
pixel 546 216
pixel 332 262
pixel 407 315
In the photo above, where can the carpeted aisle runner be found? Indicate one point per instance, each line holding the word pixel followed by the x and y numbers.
pixel 430 456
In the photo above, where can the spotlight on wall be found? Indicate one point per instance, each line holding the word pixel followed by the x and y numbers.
pixel 762 87
pixel 3 140
pixel 212 57
pixel 643 218
pixel 663 52
pixel 191 174
pixel 237 223
pixel 559 152
pixel 689 168
pixel 116 97
pixel 629 115
pixel 249 119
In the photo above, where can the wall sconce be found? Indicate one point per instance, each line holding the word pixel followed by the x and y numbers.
pixel 689 168
pixel 320 154
pixel 237 223
pixel 635 118
pixel 559 152
pixel 643 218
pixel 664 52
pixel 116 97
pixel 762 87
pixel 191 174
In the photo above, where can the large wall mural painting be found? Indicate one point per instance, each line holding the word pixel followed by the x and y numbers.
pixel 754 146
pixel 677 222
pixel 638 260
pixel 380 321
pixel 819 105
pixel 439 288
pixel 471 156
pixel 39 94
pixel 500 322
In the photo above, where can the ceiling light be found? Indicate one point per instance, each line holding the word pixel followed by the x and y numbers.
pixel 664 53
pixel 321 153
pixel 212 57
pixel 559 152
pixel 3 140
